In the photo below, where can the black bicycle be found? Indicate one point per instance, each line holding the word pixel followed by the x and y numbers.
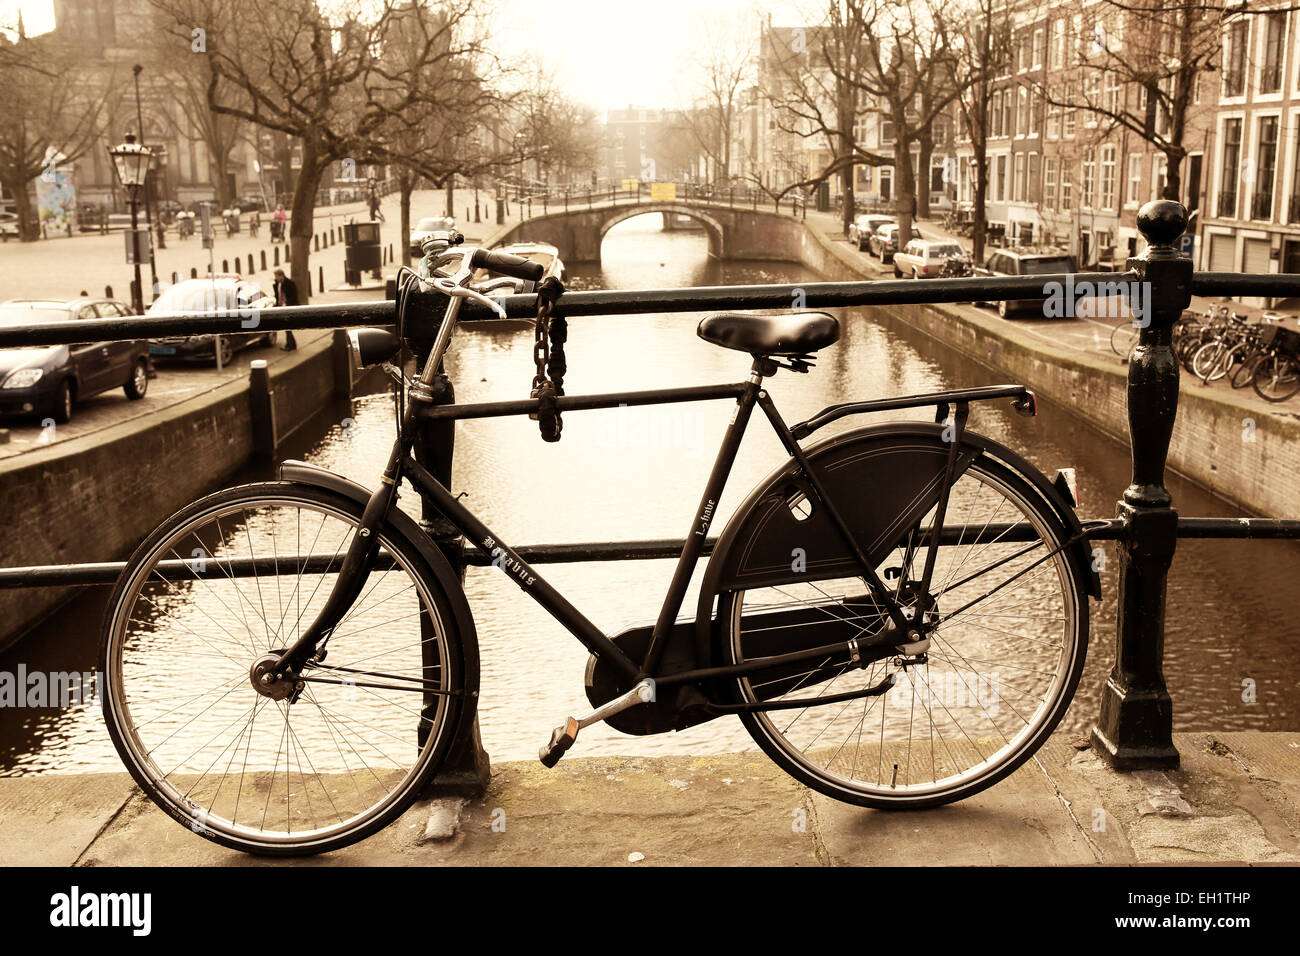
pixel 898 613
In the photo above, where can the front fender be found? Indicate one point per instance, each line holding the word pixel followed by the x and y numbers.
pixel 447 577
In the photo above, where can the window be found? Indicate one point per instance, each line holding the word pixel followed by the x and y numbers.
pixel 1110 92
pixel 1035 122
pixel 995 116
pixel 1107 177
pixel 887 131
pixel 1053 121
pixel 1070 115
pixel 1231 162
pixel 1032 171
pixel 1294 215
pixel 1159 175
pixel 1265 167
pixel 1049 182
pixel 1006 112
pixel 1092 95
pixel 1134 194
pixel 1087 178
pixel 1039 38
pixel 1056 55
pixel 1067 189
pixel 1001 179
pixel 1022 111
pixel 1234 58
pixel 1270 69
pixel 1019 178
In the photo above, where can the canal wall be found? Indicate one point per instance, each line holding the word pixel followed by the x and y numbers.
pixel 94 498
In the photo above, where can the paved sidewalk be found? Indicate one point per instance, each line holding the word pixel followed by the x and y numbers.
pixel 1235 800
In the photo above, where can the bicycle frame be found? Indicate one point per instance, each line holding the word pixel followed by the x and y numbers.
pixel 363 550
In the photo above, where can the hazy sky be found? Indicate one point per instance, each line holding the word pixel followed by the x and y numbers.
pixel 609 53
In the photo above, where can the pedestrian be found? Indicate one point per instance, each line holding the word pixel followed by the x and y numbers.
pixel 375 214
pixel 254 223
pixel 286 293
pixel 278 219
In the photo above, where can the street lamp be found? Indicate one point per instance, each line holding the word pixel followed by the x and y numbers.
pixel 131 163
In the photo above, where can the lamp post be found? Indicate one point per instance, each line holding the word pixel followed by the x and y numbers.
pixel 148 215
pixel 131 163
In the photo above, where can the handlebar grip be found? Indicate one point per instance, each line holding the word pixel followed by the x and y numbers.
pixel 514 266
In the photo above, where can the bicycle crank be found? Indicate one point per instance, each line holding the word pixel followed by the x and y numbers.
pixel 564 737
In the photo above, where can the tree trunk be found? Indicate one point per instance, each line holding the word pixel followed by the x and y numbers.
pixel 406 185
pixel 29 230
pixel 907 190
pixel 301 219
pixel 923 187
pixel 979 225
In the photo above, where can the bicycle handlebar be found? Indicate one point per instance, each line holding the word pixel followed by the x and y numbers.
pixel 503 262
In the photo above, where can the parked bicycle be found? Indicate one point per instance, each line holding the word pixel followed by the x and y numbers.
pixel 899 648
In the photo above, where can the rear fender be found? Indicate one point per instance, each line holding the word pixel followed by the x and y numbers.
pixel 758 547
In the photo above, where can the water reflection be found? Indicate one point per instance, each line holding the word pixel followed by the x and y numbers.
pixel 638 472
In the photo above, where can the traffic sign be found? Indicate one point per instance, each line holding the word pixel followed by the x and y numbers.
pixel 1186 243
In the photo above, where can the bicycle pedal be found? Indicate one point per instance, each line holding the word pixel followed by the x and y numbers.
pixel 561 740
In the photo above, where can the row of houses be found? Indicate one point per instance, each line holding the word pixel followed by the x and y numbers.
pixel 1062 174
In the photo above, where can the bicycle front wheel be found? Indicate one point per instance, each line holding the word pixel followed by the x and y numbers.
pixel 1003 664
pixel 1123 338
pixel 294 767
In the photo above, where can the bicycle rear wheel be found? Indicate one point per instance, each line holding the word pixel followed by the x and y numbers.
pixel 1123 338
pixel 1277 377
pixel 269 770
pixel 1002 667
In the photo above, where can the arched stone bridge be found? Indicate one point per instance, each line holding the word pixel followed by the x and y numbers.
pixel 733 232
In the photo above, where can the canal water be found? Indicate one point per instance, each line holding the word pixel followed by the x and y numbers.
pixel 1232 635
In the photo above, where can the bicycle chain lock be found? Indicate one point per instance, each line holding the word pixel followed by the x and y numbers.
pixel 549 335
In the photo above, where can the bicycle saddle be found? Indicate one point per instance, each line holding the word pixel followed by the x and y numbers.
pixel 792 333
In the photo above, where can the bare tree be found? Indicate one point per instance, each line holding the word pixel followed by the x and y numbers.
pixel 723 66
pixel 49 115
pixel 320 74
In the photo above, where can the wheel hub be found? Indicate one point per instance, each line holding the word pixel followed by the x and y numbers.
pixel 262 676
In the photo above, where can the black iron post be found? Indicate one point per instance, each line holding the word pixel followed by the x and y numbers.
pixel 466 769
pixel 1135 729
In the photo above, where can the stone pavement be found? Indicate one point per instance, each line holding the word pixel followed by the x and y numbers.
pixel 1236 799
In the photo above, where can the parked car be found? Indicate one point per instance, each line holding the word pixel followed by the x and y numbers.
pixel 1024 261
pixel 427 227
pixel 216 293
pixel 47 380
pixel 9 225
pixel 250 203
pixel 884 241
pixel 862 227
pixel 925 258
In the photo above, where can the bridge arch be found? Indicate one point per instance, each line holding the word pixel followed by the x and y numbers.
pixel 712 228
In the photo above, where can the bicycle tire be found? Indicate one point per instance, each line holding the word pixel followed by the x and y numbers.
pixel 810 759
pixel 1244 373
pixel 1276 378
pixel 362 752
pixel 1123 338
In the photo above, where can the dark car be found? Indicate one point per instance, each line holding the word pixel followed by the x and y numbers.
pixel 862 227
pixel 884 241
pixel 47 380
pixel 250 203
pixel 228 294
pixel 1024 261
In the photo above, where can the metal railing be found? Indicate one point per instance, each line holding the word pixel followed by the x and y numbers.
pixel 1134 729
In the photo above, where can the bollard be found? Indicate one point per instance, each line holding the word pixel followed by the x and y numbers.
pixel 108 292
pixel 263 260
pixel 1135 728
pixel 194 273
pixel 277 255
pixel 261 401
pixel 315 242
pixel 225 265
pixel 176 277
pixel 320 280
pixel 251 270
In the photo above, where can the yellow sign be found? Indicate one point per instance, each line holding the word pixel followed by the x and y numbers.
pixel 663 192
pixel 631 185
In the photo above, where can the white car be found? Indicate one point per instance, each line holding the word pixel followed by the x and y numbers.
pixel 925 258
